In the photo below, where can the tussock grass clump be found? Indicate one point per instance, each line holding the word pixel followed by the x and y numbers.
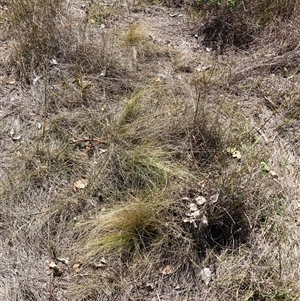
pixel 147 165
pixel 127 230
pixel 142 154
pixel 136 35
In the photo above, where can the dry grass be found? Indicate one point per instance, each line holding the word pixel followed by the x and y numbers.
pixel 179 167
pixel 36 27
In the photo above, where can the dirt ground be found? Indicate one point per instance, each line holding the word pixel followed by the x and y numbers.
pixel 256 83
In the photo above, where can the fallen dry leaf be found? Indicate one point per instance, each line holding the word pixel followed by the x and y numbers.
pixel 214 198
pixel 190 221
pixel 234 153
pixel 16 138
pixel 63 260
pixel 52 265
pixel 273 174
pixel 193 207
pixel 168 269
pixel 10 81
pixel 80 184
pixel 32 113
pixel 55 268
pixel 156 79
pixel 77 267
pixel 204 221
pixel 101 264
pixel 200 200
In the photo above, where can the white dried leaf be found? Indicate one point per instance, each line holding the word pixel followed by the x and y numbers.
pixel 200 200
pixel 103 261
pixel 203 68
pixel 193 207
pixel 53 61
pixel 36 79
pixel 195 214
pixel 52 265
pixel 101 151
pixel 214 198
pixel 204 221
pixel 16 138
pixel 63 260
pixel 205 275
pixel 273 174
pixel 236 154
pixel 191 221
pixel 99 265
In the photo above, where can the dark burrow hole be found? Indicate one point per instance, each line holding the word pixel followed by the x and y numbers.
pixel 221 32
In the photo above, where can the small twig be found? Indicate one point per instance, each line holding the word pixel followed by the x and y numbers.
pixel 271 104
pixel 264 124
pixel 77 139
pixel 50 257
pixel 197 109
pixel 51 275
pixel 8 114
pixel 280 259
pixel 45 97
pixel 158 297
pixel 37 213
